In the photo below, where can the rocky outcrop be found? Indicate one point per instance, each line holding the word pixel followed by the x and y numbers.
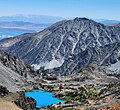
pixel 14 72
pixel 15 64
pixel 26 103
pixel 70 45
pixel 3 91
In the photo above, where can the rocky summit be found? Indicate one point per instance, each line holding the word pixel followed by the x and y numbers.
pixel 68 46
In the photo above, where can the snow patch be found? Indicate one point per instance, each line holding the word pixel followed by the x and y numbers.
pixel 75 43
pixel 37 66
pixel 62 37
pixel 49 65
pixel 53 64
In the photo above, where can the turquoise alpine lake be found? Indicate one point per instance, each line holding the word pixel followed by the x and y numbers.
pixel 43 98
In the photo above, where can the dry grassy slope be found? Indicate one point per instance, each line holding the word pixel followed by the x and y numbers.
pixel 6 102
pixel 6 105
pixel 115 106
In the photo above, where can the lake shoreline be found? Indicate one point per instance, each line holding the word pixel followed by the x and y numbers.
pixel 48 98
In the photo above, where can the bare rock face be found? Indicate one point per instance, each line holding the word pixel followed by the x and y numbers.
pixel 70 45
pixel 13 72
pixel 3 91
pixel 15 64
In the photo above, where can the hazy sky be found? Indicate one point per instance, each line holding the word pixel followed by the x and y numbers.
pixel 109 9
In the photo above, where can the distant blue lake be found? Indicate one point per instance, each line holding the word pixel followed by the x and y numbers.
pixel 43 98
pixel 6 32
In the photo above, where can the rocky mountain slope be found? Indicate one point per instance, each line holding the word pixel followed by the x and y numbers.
pixel 9 78
pixel 15 64
pixel 5 43
pixel 92 73
pixel 70 45
pixel 13 72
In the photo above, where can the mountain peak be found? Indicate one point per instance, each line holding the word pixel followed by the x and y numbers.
pixel 77 18
pixel 71 44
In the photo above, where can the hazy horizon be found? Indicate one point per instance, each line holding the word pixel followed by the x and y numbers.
pixel 99 9
pixel 60 17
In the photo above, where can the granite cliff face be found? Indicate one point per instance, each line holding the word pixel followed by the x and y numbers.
pixel 13 72
pixel 70 45
pixel 15 64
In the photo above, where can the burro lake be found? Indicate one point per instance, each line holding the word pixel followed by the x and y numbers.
pixel 43 98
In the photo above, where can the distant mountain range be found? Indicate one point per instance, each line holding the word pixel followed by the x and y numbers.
pixel 38 19
pixel 43 19
pixel 108 22
pixel 22 25
pixel 15 28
